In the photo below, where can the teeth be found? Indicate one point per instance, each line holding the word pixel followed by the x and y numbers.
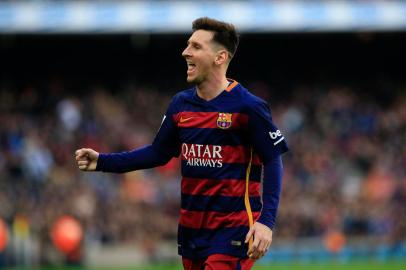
pixel 190 67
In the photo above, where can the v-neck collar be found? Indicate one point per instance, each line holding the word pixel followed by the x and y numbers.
pixel 232 84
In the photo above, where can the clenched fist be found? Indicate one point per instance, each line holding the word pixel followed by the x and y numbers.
pixel 86 159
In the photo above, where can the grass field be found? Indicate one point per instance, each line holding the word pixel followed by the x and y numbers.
pixel 361 265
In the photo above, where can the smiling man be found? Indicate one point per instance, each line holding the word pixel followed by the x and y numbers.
pixel 228 145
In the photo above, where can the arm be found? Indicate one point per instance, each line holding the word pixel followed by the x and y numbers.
pixel 269 143
pixel 164 147
pixel 272 184
pixel 142 158
pixel 262 229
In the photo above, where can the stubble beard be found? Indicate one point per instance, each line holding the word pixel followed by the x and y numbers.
pixel 198 79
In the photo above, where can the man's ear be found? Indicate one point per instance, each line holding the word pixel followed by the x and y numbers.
pixel 221 57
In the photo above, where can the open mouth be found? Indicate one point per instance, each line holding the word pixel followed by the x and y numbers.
pixel 191 67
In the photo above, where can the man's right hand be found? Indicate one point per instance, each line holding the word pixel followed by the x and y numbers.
pixel 86 159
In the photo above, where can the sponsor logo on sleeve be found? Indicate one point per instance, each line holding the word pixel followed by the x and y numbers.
pixel 277 135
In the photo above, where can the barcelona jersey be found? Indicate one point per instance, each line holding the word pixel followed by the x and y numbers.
pixel 222 144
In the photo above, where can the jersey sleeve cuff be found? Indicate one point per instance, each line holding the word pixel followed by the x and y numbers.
pixel 270 223
pixel 100 162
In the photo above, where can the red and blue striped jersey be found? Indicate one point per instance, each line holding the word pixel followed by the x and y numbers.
pixel 222 144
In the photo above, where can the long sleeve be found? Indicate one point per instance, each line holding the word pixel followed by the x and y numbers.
pixel 141 158
pixel 165 146
pixel 269 143
pixel 272 185
pixel 267 140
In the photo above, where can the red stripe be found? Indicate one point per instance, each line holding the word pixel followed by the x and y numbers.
pixel 238 154
pixel 227 154
pixel 218 262
pixel 208 120
pixel 211 187
pixel 214 220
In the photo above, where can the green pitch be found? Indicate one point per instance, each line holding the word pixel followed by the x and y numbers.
pixel 362 265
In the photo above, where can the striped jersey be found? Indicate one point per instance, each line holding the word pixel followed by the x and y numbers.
pixel 222 144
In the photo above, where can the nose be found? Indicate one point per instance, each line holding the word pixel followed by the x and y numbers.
pixel 186 52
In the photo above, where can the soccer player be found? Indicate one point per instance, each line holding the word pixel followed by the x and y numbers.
pixel 227 143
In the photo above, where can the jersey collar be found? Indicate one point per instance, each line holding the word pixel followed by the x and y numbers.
pixel 232 85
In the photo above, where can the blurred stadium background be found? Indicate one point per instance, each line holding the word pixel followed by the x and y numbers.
pixel 101 73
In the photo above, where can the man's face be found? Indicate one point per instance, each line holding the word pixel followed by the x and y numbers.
pixel 200 55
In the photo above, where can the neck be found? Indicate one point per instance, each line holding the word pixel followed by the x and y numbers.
pixel 210 89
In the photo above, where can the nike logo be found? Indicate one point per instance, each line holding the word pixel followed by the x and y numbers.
pixel 182 120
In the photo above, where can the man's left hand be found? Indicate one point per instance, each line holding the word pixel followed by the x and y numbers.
pixel 262 236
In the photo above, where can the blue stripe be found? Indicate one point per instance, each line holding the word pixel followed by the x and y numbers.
pixel 227 171
pixel 225 204
pixel 238 265
pixel 207 237
pixel 215 136
pixel 200 243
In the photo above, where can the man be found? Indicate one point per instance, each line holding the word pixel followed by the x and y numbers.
pixel 226 140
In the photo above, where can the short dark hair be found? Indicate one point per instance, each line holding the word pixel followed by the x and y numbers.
pixel 224 33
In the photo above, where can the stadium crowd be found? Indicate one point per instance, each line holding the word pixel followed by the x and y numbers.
pixel 345 171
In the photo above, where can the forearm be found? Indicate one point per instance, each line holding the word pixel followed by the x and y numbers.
pixel 272 184
pixel 142 158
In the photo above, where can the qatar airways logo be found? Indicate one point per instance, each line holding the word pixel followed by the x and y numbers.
pixel 201 155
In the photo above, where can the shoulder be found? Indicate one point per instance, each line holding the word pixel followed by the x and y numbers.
pixel 183 95
pixel 251 102
pixel 178 100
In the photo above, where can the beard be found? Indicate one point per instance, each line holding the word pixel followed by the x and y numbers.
pixel 195 80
